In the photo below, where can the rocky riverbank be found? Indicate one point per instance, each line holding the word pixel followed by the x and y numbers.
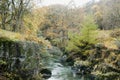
pixel 102 64
pixel 22 58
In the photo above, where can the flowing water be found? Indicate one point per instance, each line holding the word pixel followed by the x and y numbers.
pixel 61 72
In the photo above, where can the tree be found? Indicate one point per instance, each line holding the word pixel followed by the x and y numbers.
pixel 98 16
pixel 59 21
pixel 12 12
pixel 83 42
pixel 4 13
pixel 107 14
pixel 111 17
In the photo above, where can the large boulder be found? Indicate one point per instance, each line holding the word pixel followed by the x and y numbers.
pixel 46 73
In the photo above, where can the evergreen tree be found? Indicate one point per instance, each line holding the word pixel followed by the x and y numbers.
pixel 83 42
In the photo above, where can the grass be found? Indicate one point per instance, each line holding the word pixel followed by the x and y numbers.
pixel 105 38
pixel 13 36
pixel 7 35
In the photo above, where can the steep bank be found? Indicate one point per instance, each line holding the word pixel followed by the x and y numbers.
pixel 21 56
pixel 102 61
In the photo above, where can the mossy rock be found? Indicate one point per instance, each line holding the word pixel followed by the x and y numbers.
pixel 46 73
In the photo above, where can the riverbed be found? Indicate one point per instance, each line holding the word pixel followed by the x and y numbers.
pixel 61 72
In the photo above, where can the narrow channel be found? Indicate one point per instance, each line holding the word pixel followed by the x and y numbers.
pixel 61 72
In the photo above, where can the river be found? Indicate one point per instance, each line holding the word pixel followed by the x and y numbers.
pixel 61 72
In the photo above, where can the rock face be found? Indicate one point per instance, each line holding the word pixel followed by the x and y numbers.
pixel 46 73
pixel 18 58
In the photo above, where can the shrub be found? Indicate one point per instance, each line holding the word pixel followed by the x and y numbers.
pixel 115 34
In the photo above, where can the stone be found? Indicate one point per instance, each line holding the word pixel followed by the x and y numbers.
pixel 46 73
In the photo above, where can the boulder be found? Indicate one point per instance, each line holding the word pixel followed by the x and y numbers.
pixel 46 73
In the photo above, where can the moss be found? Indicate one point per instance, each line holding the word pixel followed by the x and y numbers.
pixel 2 62
pixel 5 39
pixel 7 35
pixel 108 76
pixel 16 37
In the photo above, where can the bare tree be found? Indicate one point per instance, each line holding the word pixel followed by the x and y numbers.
pixel 110 10
pixel 12 12
pixel 4 13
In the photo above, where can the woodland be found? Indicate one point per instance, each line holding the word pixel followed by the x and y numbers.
pixel 36 39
